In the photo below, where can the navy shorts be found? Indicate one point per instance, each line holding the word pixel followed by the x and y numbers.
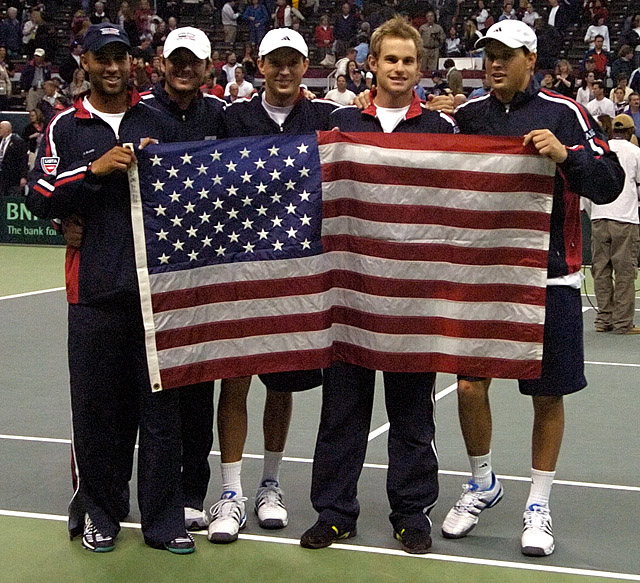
pixel 562 351
pixel 292 382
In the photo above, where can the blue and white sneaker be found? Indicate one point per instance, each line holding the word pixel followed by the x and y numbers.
pixel 537 531
pixel 463 517
pixel 269 507
pixel 228 517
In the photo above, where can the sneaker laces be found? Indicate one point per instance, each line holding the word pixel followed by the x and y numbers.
pixel 228 508
pixel 271 495
pixel 92 530
pixel 538 517
pixel 468 502
pixel 180 540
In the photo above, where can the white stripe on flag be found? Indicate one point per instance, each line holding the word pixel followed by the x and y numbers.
pixel 384 343
pixel 343 260
pixel 398 194
pixel 436 234
pixel 243 310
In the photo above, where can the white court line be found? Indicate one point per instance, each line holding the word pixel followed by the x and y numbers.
pixel 33 293
pixel 301 460
pixel 384 428
pixel 382 551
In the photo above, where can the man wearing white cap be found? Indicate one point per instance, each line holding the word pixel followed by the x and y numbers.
pixel 186 62
pixel 559 129
pixel 282 107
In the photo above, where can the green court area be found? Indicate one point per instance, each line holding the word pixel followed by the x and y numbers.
pixel 39 551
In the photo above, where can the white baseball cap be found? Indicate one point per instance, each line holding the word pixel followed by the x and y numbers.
pixel 279 38
pixel 513 33
pixel 189 38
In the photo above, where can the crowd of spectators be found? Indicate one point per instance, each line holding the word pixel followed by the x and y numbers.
pixel 449 29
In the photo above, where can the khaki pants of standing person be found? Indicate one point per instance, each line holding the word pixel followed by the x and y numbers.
pixel 614 250
pixel 33 96
pixel 430 59
pixel 230 32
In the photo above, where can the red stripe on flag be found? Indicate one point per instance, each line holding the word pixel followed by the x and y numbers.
pixel 294 323
pixel 436 253
pixel 433 215
pixel 372 285
pixel 435 178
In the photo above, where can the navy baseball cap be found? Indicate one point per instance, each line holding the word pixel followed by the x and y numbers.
pixel 100 35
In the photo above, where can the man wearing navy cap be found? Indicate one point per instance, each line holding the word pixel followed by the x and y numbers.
pixel 81 170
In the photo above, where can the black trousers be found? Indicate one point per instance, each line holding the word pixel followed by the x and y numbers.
pixel 110 399
pixel 412 478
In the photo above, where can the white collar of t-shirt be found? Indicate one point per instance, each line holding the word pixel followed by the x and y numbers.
pixel 113 119
pixel 390 117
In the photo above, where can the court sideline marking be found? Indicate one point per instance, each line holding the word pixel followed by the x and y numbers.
pixel 32 293
pixel 301 460
pixel 381 551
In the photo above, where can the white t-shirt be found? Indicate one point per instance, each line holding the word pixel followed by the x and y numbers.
pixel 625 208
pixel 244 89
pixel 345 97
pixel 603 106
pixel 277 114
pixel 390 117
pixel 113 119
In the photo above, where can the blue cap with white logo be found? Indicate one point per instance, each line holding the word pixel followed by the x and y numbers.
pixel 100 35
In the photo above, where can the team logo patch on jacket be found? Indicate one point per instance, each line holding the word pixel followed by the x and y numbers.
pixel 50 165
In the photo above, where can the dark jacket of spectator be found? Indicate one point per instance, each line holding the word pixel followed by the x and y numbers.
pixel 26 78
pixel 345 29
pixel 621 67
pixel 11 35
pixel 68 67
pixel 14 166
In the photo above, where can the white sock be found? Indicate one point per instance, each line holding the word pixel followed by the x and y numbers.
pixel 481 470
pixel 231 478
pixel 271 468
pixel 540 491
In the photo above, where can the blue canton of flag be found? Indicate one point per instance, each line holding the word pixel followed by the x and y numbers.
pixel 236 200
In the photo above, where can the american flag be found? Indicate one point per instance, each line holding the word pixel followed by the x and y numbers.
pixel 397 252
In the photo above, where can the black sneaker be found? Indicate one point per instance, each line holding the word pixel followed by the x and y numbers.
pixel 414 540
pixel 181 545
pixel 94 540
pixel 323 534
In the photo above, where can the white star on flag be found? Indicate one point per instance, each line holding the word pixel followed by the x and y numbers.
pixel 231 166
pixel 219 227
pixel 302 148
pixel 177 221
pixel 247 224
pixel 160 210
pixel 233 214
pixel 275 175
pixel 204 218
pixel 155 161
pixel 217 204
pixel 259 164
pixel 305 220
pixel 189 207
pixel 217 180
pixel 304 172
pixel 215 156
pixel 206 242
pixel 249 248
pixel 290 185
pixel 164 258
pixel 289 161
pixel 232 190
pixel 178 245
pixel 245 153
pixel 306 244
pixel 175 196
pixel 273 151
pixel 233 237
pixel 277 222
pixel 193 255
pixel 162 235
pixel 277 246
pixel 173 172
pixel 202 169
pixel 186 159
pixel 203 193
pixel 188 182
pixel 220 251
pixel 192 231
pixel 304 196
pixel 157 185
pixel 261 188
pixel 246 177
pixel 290 208
pixel 291 232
